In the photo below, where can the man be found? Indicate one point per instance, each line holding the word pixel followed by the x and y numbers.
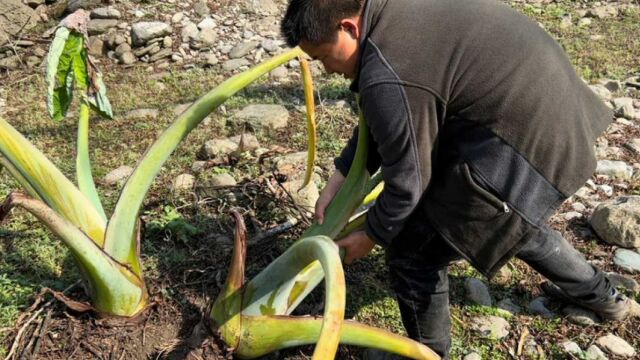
pixel 481 128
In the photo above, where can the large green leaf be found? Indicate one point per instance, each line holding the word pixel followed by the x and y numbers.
pixel 121 227
pixel 49 183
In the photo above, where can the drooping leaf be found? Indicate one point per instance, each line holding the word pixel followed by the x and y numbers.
pixel 98 96
pixel 122 223
pixel 311 121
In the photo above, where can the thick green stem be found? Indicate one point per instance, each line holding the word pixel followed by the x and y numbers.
pixel 113 288
pixel 265 334
pixel 83 164
pixel 348 198
pixel 122 224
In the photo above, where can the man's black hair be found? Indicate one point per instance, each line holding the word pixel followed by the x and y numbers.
pixel 316 21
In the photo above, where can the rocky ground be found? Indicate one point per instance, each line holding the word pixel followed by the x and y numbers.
pixel 158 56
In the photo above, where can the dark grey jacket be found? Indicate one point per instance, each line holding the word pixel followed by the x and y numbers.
pixel 475 113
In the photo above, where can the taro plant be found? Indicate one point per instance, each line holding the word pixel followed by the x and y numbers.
pixel 106 252
pixel 254 317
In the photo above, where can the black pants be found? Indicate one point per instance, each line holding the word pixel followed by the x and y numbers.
pixel 418 260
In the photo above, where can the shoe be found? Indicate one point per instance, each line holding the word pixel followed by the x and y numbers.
pixel 615 307
pixel 375 354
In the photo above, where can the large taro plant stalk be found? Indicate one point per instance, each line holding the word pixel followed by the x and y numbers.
pixel 107 252
pixel 254 317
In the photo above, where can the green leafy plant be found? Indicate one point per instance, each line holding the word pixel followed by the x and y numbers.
pixel 254 317
pixel 107 252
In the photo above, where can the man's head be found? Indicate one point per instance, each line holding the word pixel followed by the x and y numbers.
pixel 327 30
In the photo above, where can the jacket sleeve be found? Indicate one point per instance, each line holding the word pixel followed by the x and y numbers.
pixel 403 123
pixel 344 161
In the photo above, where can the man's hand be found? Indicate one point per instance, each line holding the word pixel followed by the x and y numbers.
pixel 327 194
pixel 357 245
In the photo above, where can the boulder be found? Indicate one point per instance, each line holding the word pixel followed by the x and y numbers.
pixel 477 292
pixel 16 17
pixel 264 115
pixel 100 26
pixel 616 346
pixel 490 327
pixel 118 175
pixel 222 180
pixel 306 197
pixel 144 31
pixel 105 13
pixel 627 260
pixel 74 5
pixel 616 169
pixel 617 221
pixel 538 306
pixel 184 182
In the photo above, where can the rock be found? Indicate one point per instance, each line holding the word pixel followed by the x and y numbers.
pixel 291 164
pixel 601 91
pixel 572 215
pixel 100 26
pixel 634 145
pixel 164 53
pixel 33 61
pixel 207 37
pixel 216 147
pixel 10 63
pixel 222 180
pixel 189 32
pixel 242 49
pixel 82 4
pixel 503 276
pixel 117 175
pixel 279 73
pixel 472 356
pixel 263 115
pixel 234 64
pixel 270 45
pixel 617 221
pixel 122 48
pixel 624 107
pixel 621 281
pixel 490 327
pixel 538 306
pixel 508 305
pixel 201 8
pixel 34 3
pixel 140 114
pixel 602 12
pixel 579 207
pixel 580 316
pixel 612 85
pixel 616 346
pixel 571 348
pixel 105 13
pixel 584 22
pixel 616 169
pixel 605 189
pixel 177 17
pixel 167 42
pixel 16 17
pixel 198 166
pixel 127 58
pixel 249 141
pixel 144 31
pixel 477 292
pixel 306 197
pixel 149 49
pixel 206 23
pixel 211 60
pixel 96 46
pixel 263 7
pixel 184 182
pixel 594 353
pixel 627 260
